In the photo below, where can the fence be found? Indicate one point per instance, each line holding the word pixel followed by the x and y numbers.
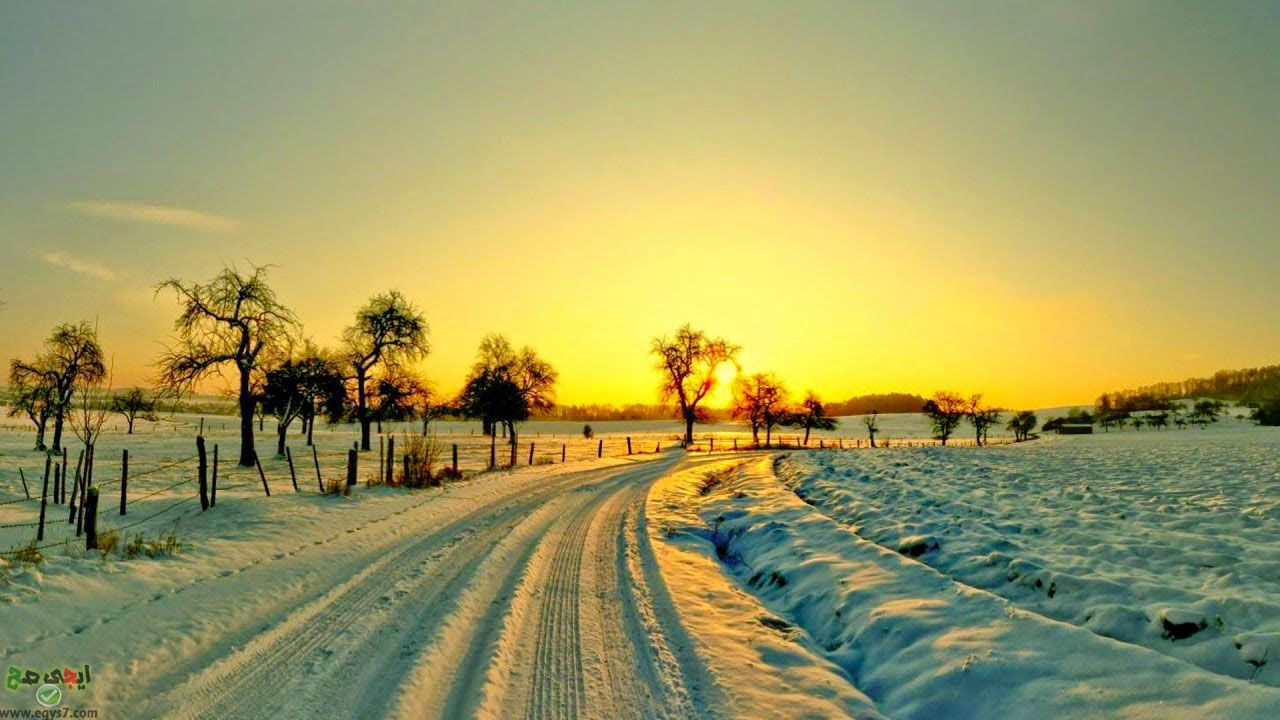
pixel 204 475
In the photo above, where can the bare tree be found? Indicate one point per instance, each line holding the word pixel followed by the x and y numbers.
pixel 760 401
pixel 1021 425
pixel 389 329
pixel 982 418
pixel 72 358
pixel 133 404
pixel 872 422
pixel 233 321
pixel 506 387
pixel 811 415
pixel 32 395
pixel 688 363
pixel 945 410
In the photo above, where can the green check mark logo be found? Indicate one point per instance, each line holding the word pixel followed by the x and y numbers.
pixel 48 695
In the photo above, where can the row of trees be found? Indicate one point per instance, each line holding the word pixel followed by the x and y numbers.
pixel 235 325
pixel 947 410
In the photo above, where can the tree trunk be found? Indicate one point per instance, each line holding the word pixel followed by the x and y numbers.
pixel 768 436
pixel 57 432
pixel 511 431
pixel 40 434
pixel 362 413
pixel 281 429
pixel 246 421
pixel 130 421
pixel 806 435
pixel 688 427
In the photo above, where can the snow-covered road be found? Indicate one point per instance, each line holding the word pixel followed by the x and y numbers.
pixel 532 602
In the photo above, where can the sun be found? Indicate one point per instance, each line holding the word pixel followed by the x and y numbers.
pixel 722 393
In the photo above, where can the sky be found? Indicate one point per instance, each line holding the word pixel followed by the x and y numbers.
pixel 1036 201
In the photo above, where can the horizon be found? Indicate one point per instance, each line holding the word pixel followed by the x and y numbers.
pixel 1014 201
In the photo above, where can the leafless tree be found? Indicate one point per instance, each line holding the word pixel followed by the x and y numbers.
pixel 133 404
pixel 688 363
pixel 760 402
pixel 72 358
pixel 872 422
pixel 233 321
pixel 390 330
pixel 982 418
pixel 945 410
pixel 32 395
pixel 811 415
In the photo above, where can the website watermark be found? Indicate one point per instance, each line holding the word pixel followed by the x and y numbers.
pixel 49 689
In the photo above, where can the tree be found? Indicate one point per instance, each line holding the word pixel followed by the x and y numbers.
pixel 72 359
pixel 1205 412
pixel 688 363
pixel 872 422
pixel 811 415
pixel 1159 420
pixel 759 402
pixel 981 418
pixel 397 396
pixel 1022 424
pixel 233 321
pixel 945 410
pixel 133 404
pixel 1267 412
pixel 32 395
pixel 505 387
pixel 388 329
pixel 293 389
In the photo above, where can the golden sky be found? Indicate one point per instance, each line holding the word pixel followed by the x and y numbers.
pixel 1036 202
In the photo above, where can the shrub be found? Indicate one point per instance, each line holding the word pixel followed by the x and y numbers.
pixel 108 542
pixel 164 543
pixel 337 486
pixel 29 554
pixel 587 432
pixel 417 467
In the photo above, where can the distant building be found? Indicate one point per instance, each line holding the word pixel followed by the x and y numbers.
pixel 1075 429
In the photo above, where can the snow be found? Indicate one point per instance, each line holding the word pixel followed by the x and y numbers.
pixel 928 636
pixel 1116 575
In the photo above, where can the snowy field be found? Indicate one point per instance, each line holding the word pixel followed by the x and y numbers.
pixel 1169 540
pixel 1130 574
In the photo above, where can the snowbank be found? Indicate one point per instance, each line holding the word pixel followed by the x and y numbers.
pixel 921 645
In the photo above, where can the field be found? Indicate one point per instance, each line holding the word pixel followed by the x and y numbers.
pixel 1127 574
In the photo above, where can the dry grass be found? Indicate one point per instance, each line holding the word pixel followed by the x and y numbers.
pixel 337 486
pixel 418 460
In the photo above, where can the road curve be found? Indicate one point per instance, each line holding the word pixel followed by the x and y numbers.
pixel 542 602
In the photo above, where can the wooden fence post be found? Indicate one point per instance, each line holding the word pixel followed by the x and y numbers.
pixel 124 478
pixel 71 502
pixel 45 491
pixel 600 449
pixel 202 473
pixel 86 481
pixel 261 475
pixel 713 444
pixel 351 467
pixel 24 484
pixel 735 444
pixel 91 520
pixel 381 466
pixel 405 479
pixel 513 455
pixel 493 448
pixel 288 455
pixel 628 444
pixel 391 460
pixel 213 485
pixel 564 449
pixel 455 459
pixel 531 452
pixel 316 458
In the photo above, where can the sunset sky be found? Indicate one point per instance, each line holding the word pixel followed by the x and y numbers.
pixel 1039 201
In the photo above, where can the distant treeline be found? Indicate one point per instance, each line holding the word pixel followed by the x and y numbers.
pixel 882 403
pixel 633 411
pixel 1250 386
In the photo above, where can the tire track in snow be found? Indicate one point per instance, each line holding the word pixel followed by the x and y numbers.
pixel 304 639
